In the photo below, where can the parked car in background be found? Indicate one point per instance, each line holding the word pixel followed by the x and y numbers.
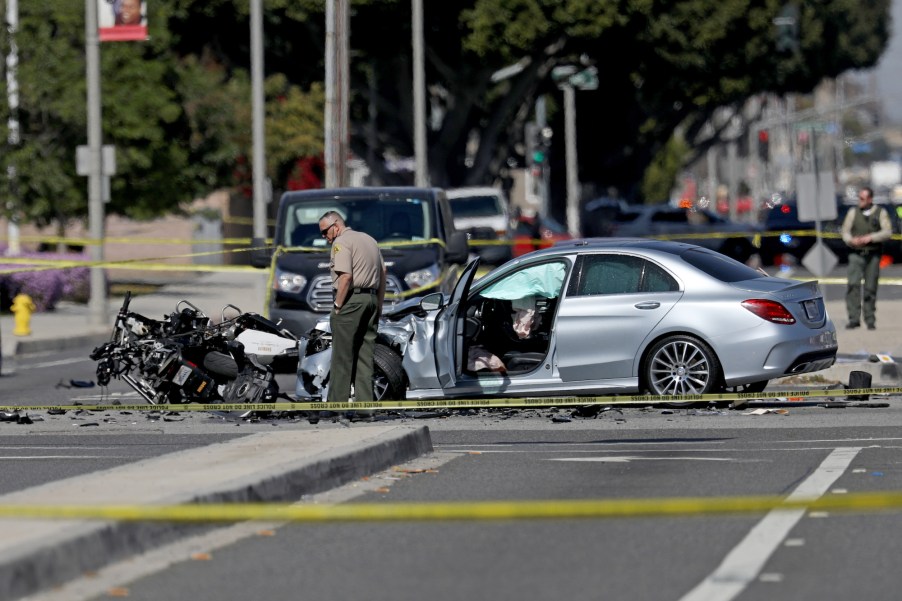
pixel 484 215
pixel 694 225
pixel 535 232
pixel 602 316
pixel 414 229
pixel 786 240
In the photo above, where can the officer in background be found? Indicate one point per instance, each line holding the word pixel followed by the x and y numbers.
pixel 358 282
pixel 864 230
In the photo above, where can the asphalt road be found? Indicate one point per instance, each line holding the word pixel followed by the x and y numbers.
pixel 512 455
pixel 526 456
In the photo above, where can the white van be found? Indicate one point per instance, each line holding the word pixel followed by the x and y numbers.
pixel 484 214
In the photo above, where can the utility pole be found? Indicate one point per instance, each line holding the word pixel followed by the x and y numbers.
pixel 569 78
pixel 97 301
pixel 421 174
pixel 12 93
pixel 337 90
pixel 572 164
pixel 261 196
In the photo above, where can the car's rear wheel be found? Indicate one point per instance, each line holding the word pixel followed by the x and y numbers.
pixel 388 375
pixel 679 365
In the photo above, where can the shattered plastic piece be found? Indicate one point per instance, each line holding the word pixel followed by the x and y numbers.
pixel 763 411
pixel 86 424
pixel 56 412
pixel 24 419
pixel 561 419
pixel 9 416
pixel 82 383
pixel 667 412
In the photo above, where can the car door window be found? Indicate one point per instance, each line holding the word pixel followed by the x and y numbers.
pixel 619 274
pixel 509 321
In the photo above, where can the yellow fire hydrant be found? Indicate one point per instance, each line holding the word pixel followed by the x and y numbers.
pixel 22 308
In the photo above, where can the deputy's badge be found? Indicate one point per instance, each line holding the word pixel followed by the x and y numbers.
pixel 335 249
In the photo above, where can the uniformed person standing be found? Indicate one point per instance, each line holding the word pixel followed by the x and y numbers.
pixel 358 283
pixel 864 230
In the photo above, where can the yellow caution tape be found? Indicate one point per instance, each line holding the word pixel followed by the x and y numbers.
pixel 487 403
pixel 470 511
pixel 147 263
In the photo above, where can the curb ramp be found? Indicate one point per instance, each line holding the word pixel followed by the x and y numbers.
pixel 266 467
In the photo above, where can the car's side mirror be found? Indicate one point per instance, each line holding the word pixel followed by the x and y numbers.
pixel 261 256
pixel 431 302
pixel 457 250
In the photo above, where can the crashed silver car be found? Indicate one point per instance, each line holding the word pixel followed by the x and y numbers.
pixel 601 316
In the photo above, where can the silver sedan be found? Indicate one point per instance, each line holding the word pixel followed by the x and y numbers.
pixel 596 316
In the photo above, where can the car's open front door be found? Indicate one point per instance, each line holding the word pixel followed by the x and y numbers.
pixel 449 330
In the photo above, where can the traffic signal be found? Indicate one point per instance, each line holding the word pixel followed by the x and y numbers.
pixel 787 24
pixel 531 143
pixel 544 146
pixel 763 145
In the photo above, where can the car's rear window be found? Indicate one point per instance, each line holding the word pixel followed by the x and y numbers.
pixel 719 266
pixel 476 206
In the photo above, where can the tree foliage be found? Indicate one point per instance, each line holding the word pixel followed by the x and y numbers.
pixel 178 110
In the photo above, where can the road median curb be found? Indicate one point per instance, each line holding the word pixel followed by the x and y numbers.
pixel 264 467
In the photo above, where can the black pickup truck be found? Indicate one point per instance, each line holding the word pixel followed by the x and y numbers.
pixel 413 226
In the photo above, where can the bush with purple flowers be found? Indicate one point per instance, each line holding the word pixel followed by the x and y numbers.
pixel 46 287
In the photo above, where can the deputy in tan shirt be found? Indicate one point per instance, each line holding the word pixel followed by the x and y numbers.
pixel 358 282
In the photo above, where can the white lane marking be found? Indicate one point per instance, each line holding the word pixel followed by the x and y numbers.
pixel 23 366
pixel 21 457
pixel 543 451
pixel 745 561
pixel 627 459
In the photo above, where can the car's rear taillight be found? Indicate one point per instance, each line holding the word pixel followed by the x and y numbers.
pixel 769 310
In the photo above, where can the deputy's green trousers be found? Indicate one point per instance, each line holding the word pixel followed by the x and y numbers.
pixel 353 341
pixel 866 267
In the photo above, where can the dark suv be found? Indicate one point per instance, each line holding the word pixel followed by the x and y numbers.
pixel 414 229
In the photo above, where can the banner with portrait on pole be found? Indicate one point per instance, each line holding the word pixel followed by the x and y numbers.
pixel 122 20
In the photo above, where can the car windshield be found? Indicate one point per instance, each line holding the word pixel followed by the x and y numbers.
pixel 719 266
pixel 387 218
pixel 476 206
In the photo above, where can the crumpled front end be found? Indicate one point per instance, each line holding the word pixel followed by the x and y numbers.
pixel 409 337
pixel 315 352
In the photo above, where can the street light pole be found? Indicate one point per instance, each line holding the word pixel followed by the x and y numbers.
pixel 257 104
pixel 12 94
pixel 97 302
pixel 421 174
pixel 573 224
pixel 568 78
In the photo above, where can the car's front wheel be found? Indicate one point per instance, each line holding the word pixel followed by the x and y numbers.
pixel 681 365
pixel 388 375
